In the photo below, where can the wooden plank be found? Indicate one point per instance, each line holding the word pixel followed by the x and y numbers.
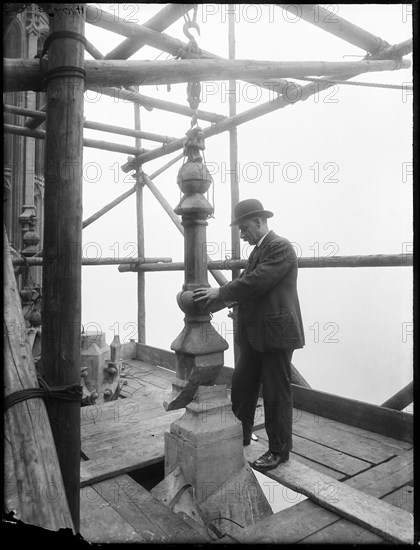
pixel 332 436
pixel 113 411
pixel 156 356
pixel 387 521
pixel 10 486
pixel 402 498
pixel 300 522
pixel 123 424
pixel 136 434
pixel 124 455
pixel 386 477
pixel 154 520
pixel 399 445
pixel 290 526
pixel 344 532
pixel 318 453
pixel 396 424
pixel 145 396
pixel 100 522
pixel 32 456
pixel 392 476
pixel 319 467
pixel 143 371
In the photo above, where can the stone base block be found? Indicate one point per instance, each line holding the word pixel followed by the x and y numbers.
pixel 240 498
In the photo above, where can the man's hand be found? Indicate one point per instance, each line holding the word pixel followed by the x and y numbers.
pixel 208 297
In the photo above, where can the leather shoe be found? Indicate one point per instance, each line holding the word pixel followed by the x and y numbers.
pixel 270 460
pixel 247 442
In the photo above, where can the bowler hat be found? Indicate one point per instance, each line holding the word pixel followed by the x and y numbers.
pixel 248 208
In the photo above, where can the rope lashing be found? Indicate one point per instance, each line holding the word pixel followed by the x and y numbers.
pixel 69 70
pixel 74 392
pixel 62 34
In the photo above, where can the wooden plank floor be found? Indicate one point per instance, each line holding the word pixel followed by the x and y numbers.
pixel 126 435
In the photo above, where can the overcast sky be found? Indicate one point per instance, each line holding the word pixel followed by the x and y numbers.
pixel 335 170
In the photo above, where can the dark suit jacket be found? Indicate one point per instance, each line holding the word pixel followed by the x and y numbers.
pixel 269 314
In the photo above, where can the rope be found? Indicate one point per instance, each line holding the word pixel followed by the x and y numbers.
pixel 74 392
pixel 67 70
pixel 62 34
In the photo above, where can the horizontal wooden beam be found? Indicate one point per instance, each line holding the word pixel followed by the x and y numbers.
pixel 41 116
pixel 150 103
pixel 94 143
pixel 24 74
pixel 379 260
pixel 99 261
pixel 150 136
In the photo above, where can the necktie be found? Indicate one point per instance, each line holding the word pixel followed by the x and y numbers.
pixel 252 260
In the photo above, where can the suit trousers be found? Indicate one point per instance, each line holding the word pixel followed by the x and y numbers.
pixel 272 369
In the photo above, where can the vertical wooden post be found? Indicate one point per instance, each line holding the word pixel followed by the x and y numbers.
pixel 141 296
pixel 61 327
pixel 233 156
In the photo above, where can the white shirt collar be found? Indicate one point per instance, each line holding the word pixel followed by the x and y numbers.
pixel 262 238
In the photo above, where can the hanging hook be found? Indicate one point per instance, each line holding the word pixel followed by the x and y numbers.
pixel 188 25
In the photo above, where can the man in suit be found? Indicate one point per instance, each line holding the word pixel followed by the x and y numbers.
pixel 269 329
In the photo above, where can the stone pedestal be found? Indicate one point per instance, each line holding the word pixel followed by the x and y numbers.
pixel 206 443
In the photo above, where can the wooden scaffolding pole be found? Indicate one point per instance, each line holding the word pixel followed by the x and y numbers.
pixel 401 399
pixel 233 165
pixel 376 260
pixel 233 143
pixel 141 290
pixel 340 27
pixel 159 22
pixel 24 74
pixel 150 103
pixel 294 95
pixel 100 126
pixel 125 195
pixel 94 143
pixel 61 315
